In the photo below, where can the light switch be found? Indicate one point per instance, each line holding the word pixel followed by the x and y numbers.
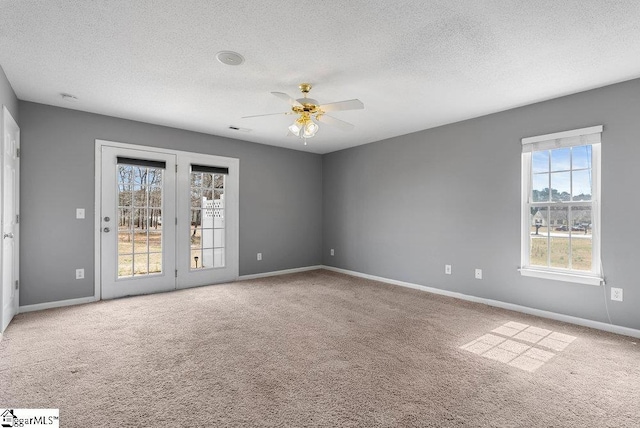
pixel 80 213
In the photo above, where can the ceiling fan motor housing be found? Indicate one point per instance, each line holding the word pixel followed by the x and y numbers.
pixel 308 105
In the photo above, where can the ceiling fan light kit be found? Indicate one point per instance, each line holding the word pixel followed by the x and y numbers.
pixel 304 127
pixel 310 112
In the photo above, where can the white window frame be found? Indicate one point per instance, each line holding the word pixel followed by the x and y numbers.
pixel 577 137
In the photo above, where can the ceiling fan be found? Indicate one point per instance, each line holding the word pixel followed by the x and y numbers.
pixel 310 112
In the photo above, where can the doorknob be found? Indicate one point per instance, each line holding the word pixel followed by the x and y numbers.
pixel 106 229
pixel 8 235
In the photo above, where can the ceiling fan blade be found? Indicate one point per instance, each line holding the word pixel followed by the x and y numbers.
pixel 343 105
pixel 340 124
pixel 287 98
pixel 268 114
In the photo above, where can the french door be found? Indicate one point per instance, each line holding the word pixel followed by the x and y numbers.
pixel 207 220
pixel 137 222
pixel 168 219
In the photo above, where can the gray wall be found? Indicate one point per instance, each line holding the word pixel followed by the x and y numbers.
pixel 400 208
pixel 8 99
pixel 404 207
pixel 280 202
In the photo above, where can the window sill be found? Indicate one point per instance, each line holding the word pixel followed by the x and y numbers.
pixel 561 276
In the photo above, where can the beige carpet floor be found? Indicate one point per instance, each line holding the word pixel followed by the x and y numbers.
pixel 315 349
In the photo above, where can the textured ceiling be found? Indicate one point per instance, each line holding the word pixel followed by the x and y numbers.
pixel 415 64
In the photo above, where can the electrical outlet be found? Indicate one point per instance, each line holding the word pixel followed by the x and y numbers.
pixel 447 269
pixel 616 294
pixel 478 273
pixel 259 256
pixel 333 252
pixel 80 213
pixel 79 273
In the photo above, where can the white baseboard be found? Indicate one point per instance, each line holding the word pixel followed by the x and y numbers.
pixel 56 304
pixel 82 300
pixel 612 328
pixel 279 272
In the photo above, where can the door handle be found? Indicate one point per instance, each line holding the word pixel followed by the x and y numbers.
pixel 8 235
pixel 106 230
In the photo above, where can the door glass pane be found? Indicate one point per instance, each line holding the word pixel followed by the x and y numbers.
pixel 196 259
pixel 218 238
pixel 218 257
pixel 196 198
pixel 125 174
pixel 196 219
pixel 155 219
pixel 196 180
pixel 207 238
pixel 140 196
pixel 140 242
pixel 195 231
pixel 207 220
pixel 141 264
pixel 124 195
pixel 125 242
pixel 124 217
pixel 155 197
pixel 125 265
pixel 155 262
pixel 139 220
pixel 207 258
pixel 155 241
pixel 207 180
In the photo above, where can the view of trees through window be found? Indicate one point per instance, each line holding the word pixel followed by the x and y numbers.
pixel 139 220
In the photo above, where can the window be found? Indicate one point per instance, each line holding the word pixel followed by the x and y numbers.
pixel 139 216
pixel 207 231
pixel 560 206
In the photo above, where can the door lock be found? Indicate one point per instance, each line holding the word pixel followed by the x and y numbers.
pixel 8 235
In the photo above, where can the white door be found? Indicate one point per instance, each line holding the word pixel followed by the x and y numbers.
pixel 10 210
pixel 207 219
pixel 138 222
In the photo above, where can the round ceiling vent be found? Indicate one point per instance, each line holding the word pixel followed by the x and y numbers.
pixel 229 58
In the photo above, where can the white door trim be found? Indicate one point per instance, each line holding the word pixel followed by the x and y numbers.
pixel 181 156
